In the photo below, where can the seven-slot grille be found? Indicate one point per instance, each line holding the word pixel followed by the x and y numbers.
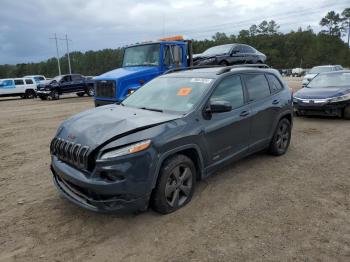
pixel 105 88
pixel 70 152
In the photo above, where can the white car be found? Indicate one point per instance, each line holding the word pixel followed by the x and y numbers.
pixel 23 87
pixel 39 79
pixel 319 69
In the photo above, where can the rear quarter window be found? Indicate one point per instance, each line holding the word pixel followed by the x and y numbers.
pixel 29 81
pixel 275 84
pixel 257 86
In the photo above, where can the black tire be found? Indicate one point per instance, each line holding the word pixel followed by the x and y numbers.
pixel 223 63
pixel 297 113
pixel 175 186
pixel 80 94
pixel 30 93
pixel 23 96
pixel 281 138
pixel 54 95
pixel 90 91
pixel 346 112
pixel 43 97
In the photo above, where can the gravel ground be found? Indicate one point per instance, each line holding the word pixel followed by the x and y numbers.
pixel 290 208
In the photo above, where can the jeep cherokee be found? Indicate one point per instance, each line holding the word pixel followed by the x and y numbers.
pixel 175 130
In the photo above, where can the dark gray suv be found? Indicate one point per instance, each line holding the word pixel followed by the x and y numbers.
pixel 172 132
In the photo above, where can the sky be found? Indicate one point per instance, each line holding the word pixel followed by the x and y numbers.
pixel 27 26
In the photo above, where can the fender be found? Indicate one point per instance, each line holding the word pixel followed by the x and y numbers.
pixel 281 115
pixel 174 151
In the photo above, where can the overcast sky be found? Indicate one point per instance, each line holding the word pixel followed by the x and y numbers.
pixel 26 26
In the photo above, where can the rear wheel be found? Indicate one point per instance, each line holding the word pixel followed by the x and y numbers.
pixel 347 112
pixel 90 91
pixel 281 138
pixel 175 185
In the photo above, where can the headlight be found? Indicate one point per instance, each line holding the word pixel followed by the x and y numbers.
pixel 134 148
pixel 339 98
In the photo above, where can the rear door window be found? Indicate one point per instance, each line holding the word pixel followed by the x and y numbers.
pixel 230 90
pixel 275 84
pixel 76 77
pixel 257 86
pixel 19 82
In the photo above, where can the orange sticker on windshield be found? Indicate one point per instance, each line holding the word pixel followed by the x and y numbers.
pixel 184 91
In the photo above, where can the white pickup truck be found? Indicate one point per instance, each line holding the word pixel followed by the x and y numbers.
pixel 23 87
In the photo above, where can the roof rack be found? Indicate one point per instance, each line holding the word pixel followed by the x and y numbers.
pixel 223 70
pixel 228 68
pixel 190 68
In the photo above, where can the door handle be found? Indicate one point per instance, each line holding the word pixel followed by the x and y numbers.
pixel 276 101
pixel 244 113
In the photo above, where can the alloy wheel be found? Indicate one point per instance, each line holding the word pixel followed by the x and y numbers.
pixel 179 185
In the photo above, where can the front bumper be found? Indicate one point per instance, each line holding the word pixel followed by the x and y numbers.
pixel 43 92
pixel 129 191
pixel 319 109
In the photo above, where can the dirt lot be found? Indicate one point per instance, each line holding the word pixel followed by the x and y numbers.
pixel 291 208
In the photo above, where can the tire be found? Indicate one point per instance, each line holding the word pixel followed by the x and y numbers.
pixel 90 91
pixel 223 63
pixel 23 96
pixel 281 138
pixel 347 112
pixel 30 94
pixel 80 94
pixel 297 113
pixel 175 186
pixel 43 97
pixel 54 95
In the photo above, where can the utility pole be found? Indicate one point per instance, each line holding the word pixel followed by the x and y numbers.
pixel 69 65
pixel 348 32
pixel 58 56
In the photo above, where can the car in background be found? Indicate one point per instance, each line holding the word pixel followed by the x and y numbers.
pixel 229 54
pixel 327 94
pixel 64 84
pixel 23 87
pixel 176 129
pixel 319 69
pixel 39 79
pixel 298 72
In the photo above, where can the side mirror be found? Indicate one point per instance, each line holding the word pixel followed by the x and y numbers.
pixel 220 106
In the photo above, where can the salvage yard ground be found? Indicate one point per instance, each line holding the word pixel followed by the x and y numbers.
pixel 292 208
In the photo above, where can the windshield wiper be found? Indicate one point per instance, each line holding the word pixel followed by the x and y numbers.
pixel 152 109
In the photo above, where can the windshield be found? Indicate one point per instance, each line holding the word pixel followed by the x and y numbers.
pixel 331 80
pixel 320 69
pixel 56 79
pixel 143 55
pixel 221 49
pixel 172 94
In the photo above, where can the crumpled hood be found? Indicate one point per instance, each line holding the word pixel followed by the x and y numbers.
pixel 321 93
pixel 96 126
pixel 127 71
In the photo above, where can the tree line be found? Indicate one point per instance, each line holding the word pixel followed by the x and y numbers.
pixel 302 47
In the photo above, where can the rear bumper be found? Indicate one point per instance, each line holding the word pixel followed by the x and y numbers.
pixel 104 102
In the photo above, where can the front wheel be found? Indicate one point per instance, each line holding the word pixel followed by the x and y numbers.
pixel 281 138
pixel 90 91
pixel 347 112
pixel 223 63
pixel 54 95
pixel 80 94
pixel 30 93
pixel 175 185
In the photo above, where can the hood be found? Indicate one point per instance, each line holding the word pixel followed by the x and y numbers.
pixel 96 126
pixel 198 57
pixel 127 71
pixel 321 93
pixel 310 76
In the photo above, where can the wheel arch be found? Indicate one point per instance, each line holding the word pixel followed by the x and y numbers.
pixel 192 151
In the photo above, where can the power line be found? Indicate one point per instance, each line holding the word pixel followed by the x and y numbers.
pixel 58 56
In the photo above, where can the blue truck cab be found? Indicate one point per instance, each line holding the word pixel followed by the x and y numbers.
pixel 142 63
